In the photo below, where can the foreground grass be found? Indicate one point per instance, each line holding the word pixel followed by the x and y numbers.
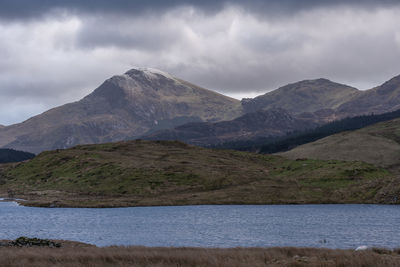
pixel 143 256
pixel 143 173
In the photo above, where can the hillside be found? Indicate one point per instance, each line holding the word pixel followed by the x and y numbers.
pixel 139 172
pixel 377 100
pixel 293 139
pixel 123 107
pixel 305 96
pixel 293 110
pixel 378 144
pixel 11 155
pixel 262 123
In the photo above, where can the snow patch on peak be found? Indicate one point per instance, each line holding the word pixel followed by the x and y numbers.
pixel 150 73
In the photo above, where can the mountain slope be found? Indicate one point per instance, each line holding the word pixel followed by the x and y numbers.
pixel 378 144
pixel 171 173
pixel 124 106
pixel 377 100
pixel 305 96
pixel 289 141
pixel 310 103
pixel 263 123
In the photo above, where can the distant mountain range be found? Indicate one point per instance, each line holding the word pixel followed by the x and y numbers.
pixel 149 103
pixel 302 105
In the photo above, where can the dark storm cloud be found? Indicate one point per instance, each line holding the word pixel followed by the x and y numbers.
pixel 27 9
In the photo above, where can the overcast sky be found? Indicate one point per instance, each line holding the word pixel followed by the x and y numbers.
pixel 53 52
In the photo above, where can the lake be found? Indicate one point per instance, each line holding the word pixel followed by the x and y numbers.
pixel 332 226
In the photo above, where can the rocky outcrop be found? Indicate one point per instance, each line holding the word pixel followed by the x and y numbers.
pixel 30 242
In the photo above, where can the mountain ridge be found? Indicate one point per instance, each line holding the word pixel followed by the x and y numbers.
pixel 314 102
pixel 148 101
pixel 306 96
pixel 123 106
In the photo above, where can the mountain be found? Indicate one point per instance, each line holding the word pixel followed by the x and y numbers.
pixel 151 103
pixel 262 123
pixel 378 144
pixel 123 107
pixel 306 96
pixel 303 105
pixel 378 100
pixel 142 173
pixel 11 155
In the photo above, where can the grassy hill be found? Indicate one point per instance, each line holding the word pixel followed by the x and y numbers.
pixel 140 172
pixel 378 144
pixel 277 144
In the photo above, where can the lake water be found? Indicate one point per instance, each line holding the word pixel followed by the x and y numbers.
pixel 333 226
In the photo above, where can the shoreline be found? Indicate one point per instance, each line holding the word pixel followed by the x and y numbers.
pixel 27 203
pixel 94 202
pixel 80 254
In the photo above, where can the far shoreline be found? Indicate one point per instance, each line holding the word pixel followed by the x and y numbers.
pixel 104 205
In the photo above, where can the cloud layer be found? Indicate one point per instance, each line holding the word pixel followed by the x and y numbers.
pixel 53 52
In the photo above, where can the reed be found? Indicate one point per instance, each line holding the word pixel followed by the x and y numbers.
pixel 161 256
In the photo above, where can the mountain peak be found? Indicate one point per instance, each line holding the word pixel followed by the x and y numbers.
pixel 149 73
pixel 303 96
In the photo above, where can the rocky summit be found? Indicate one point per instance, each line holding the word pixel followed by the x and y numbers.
pixel 123 107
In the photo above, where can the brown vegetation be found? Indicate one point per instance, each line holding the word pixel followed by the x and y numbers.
pixel 378 144
pixel 144 256
pixel 146 173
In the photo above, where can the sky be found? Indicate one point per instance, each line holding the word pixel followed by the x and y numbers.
pixel 54 52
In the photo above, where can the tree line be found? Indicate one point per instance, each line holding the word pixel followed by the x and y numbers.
pixel 11 155
pixel 273 144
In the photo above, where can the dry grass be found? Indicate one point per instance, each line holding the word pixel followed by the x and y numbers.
pixel 146 173
pixel 378 144
pixel 143 256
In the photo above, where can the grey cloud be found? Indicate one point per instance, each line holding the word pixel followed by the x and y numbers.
pixel 233 47
pixel 114 31
pixel 28 9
